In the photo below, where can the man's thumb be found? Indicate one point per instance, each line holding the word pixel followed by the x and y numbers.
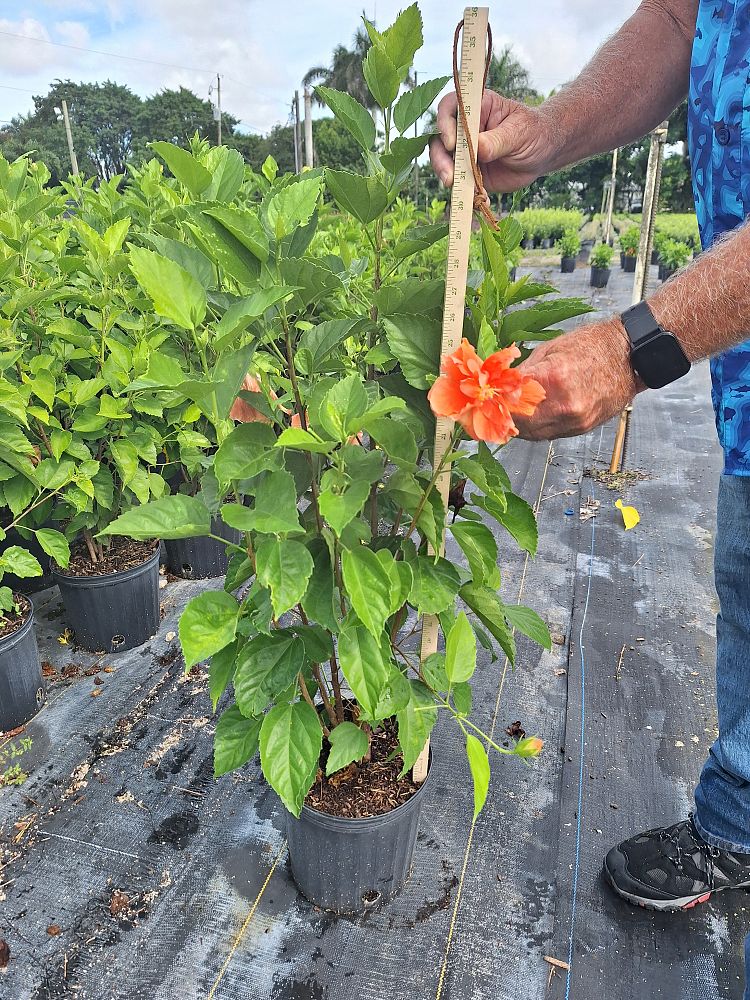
pixel 495 143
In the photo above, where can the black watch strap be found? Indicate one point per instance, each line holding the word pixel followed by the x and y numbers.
pixel 640 324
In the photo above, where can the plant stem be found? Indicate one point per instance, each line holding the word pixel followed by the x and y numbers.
pixel 311 703
pixel 336 681
pixel 90 546
pixel 435 476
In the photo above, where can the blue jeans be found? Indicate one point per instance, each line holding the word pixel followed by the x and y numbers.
pixel 722 798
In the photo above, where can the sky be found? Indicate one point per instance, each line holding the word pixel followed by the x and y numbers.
pixel 262 49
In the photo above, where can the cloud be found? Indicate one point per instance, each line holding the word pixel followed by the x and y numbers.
pixel 72 33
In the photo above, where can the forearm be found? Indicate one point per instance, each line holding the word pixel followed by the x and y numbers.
pixel 707 306
pixel 631 85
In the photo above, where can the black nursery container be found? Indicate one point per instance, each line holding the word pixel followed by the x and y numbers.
pixel 629 264
pixel 622 261
pixel 22 691
pixel 115 611
pixel 599 277
pixel 567 265
pixel 201 558
pixel 351 865
pixel 654 256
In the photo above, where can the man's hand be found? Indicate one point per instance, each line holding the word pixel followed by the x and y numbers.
pixel 515 142
pixel 587 377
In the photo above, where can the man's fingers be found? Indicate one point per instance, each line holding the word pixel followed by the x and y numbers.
pixel 496 143
pixel 446 121
pixel 442 161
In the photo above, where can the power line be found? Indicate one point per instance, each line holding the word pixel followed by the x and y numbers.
pixel 117 55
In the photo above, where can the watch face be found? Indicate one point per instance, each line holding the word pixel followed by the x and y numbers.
pixel 660 360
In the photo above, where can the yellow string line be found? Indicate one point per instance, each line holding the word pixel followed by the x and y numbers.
pixel 467 852
pixel 248 918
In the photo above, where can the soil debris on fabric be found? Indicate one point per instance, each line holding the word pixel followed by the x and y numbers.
pixel 122 554
pixel 616 480
pixel 4 954
pixel 13 622
pixel 365 788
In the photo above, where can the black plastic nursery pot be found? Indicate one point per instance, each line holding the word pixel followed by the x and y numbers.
pixel 546 244
pixel 622 261
pixel 665 272
pixel 201 558
pixel 115 611
pixel 629 264
pixel 567 265
pixel 350 865
pixel 22 691
pixel 585 252
pixel 599 277
pixel 654 256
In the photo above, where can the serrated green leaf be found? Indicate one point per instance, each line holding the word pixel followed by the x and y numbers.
pixel 415 723
pixel 235 742
pixel 175 293
pixel 369 587
pixel 266 666
pixel 285 567
pixel 460 651
pixel 221 671
pixel 188 171
pixel 528 622
pixel 435 586
pixel 381 76
pixel 362 663
pixel 363 197
pixel 348 743
pixel 413 104
pixel 479 546
pixel 480 771
pixel 55 544
pixel 208 624
pixel 415 342
pixel 356 120
pixel 176 516
pixel 290 743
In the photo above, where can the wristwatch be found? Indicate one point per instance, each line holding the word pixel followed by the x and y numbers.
pixel 655 354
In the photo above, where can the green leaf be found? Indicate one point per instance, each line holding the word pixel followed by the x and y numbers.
pixel 435 586
pixel 315 345
pixel 403 38
pixel 163 372
pixel 490 611
pixel 266 666
pixel 363 197
pixel 312 279
pixel 528 622
pixel 369 586
pixel 20 562
pixel 494 256
pixel 295 437
pixel 381 76
pixel 413 104
pixel 341 406
pixel 402 153
pixel 221 671
pixel 176 516
pixel 460 651
pixel 462 698
pixel 356 120
pixel 246 452
pixel 227 173
pixel 362 662
pixel 245 310
pixel 415 341
pixel 187 256
pixel 290 743
pixel 348 743
pixel 318 601
pixel 59 441
pixel 235 741
pixel 275 510
pixel 519 519
pixel 420 238
pixel 285 567
pixel 208 624
pixel 396 440
pixel 55 544
pixel 292 206
pixel 480 771
pixel 538 317
pixel 175 293
pixel 480 548
pixel 188 171
pixel 340 508
pixel 415 723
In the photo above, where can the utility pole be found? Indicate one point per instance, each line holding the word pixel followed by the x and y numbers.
pixel 308 129
pixel 218 107
pixel 69 134
pixel 296 125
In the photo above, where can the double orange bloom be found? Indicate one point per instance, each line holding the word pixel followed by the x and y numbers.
pixel 481 395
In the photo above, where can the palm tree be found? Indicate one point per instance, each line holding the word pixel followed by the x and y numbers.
pixel 345 71
pixel 510 78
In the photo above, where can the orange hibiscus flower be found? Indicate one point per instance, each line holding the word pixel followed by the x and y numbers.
pixel 481 395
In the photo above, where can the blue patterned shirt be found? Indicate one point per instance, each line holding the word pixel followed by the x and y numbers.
pixel 719 141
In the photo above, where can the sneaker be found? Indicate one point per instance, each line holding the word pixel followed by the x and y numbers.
pixel 673 868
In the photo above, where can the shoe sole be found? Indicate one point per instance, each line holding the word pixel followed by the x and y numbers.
pixel 667 905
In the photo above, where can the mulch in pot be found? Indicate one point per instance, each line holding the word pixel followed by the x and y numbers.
pixel 365 788
pixel 12 622
pixel 121 554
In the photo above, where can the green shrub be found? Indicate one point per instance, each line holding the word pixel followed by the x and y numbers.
pixel 629 241
pixel 602 255
pixel 549 223
pixel 569 244
pixel 675 254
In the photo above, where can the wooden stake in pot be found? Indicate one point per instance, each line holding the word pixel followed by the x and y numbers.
pixel 472 74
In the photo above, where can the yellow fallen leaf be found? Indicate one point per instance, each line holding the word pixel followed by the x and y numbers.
pixel 65 638
pixel 630 515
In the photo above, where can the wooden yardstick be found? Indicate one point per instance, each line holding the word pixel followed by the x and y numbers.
pixel 471 77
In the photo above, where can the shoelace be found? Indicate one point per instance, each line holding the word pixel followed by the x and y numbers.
pixel 706 852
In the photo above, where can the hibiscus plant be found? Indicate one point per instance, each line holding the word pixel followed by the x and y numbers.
pixel 314 640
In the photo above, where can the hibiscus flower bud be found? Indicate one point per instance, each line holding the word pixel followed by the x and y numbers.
pixel 531 746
